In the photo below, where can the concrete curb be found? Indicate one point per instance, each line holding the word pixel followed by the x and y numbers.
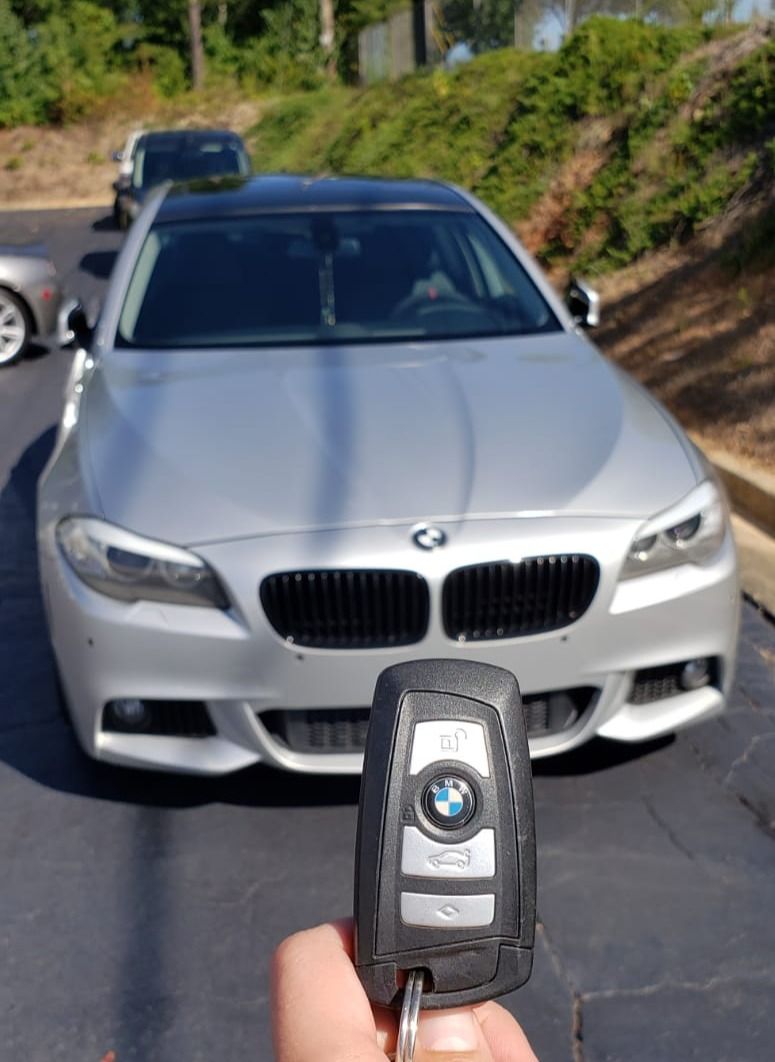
pixel 756 554
pixel 40 205
pixel 751 491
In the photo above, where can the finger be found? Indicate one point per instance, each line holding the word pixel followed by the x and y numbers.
pixel 386 1022
pixel 319 1009
pixel 451 1036
pixel 504 1034
pixel 483 1034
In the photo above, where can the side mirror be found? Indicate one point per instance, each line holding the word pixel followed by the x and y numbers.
pixel 73 328
pixel 583 302
pixel 118 156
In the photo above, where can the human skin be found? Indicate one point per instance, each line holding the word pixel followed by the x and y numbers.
pixel 320 1012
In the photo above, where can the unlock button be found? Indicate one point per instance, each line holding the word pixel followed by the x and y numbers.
pixel 449 739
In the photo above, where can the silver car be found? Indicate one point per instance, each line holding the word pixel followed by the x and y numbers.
pixel 29 298
pixel 324 426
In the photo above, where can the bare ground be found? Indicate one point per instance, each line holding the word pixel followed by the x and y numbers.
pixel 698 329
pixel 71 165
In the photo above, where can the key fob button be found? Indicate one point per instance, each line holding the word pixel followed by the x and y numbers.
pixel 422 857
pixel 449 739
pixel 447 912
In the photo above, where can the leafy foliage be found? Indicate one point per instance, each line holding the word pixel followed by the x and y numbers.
pixel 21 95
pixel 511 124
pixel 76 51
pixel 56 70
pixel 506 124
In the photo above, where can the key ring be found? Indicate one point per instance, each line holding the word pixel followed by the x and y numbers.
pixel 410 1016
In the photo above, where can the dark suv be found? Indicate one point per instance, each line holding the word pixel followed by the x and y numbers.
pixel 178 155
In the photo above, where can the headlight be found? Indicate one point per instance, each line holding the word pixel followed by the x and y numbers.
pixel 690 533
pixel 123 565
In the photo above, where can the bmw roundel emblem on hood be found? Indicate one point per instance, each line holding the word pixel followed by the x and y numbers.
pixel 428 537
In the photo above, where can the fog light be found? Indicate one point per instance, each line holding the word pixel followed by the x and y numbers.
pixel 695 674
pixel 131 712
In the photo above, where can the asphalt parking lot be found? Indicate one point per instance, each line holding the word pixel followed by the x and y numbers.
pixel 138 911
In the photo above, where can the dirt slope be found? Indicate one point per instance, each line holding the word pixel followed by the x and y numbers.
pixel 71 165
pixel 697 326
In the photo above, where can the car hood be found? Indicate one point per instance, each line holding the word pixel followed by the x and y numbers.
pixel 200 446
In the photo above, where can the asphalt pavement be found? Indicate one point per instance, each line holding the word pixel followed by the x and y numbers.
pixel 138 911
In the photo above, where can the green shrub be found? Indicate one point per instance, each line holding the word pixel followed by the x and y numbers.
pixel 501 124
pixel 287 55
pixel 221 53
pixel 76 53
pixel 169 71
pixel 22 95
pixel 293 131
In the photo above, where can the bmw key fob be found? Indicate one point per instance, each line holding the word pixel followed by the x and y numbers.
pixel 445 865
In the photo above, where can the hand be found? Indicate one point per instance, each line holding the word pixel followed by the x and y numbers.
pixel 320 1012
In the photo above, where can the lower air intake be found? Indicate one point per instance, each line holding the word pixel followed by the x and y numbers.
pixel 659 683
pixel 340 730
pixel 188 719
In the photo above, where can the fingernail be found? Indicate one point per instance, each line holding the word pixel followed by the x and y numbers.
pixel 450 1031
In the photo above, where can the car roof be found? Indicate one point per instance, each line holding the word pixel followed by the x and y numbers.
pixel 176 137
pixel 284 193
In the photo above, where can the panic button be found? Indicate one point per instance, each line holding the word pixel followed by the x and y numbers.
pixel 442 739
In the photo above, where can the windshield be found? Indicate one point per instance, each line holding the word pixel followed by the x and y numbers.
pixel 173 160
pixel 328 277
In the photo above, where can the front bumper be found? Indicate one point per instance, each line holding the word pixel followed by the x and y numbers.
pixel 239 667
pixel 44 300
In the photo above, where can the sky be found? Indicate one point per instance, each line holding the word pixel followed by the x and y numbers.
pixel 550 31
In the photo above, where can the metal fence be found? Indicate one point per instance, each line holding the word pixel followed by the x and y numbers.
pixel 417 36
pixel 399 45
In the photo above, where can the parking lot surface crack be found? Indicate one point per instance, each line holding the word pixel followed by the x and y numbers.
pixel 663 825
pixel 671 985
pixel 577 1017
pixel 744 757
pixel 577 1029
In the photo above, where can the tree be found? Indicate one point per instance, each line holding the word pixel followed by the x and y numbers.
pixel 328 35
pixel 482 23
pixel 21 81
pixel 197 49
pixel 701 10
pixel 569 13
pixel 527 18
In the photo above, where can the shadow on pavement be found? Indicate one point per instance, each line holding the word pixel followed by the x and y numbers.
pixel 597 755
pixel 36 350
pixel 106 224
pixel 98 263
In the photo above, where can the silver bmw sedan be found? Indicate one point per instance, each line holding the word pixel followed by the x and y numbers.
pixel 327 425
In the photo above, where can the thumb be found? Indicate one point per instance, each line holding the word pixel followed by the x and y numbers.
pixel 451 1036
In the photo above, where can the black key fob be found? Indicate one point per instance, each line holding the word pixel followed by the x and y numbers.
pixel 445 866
